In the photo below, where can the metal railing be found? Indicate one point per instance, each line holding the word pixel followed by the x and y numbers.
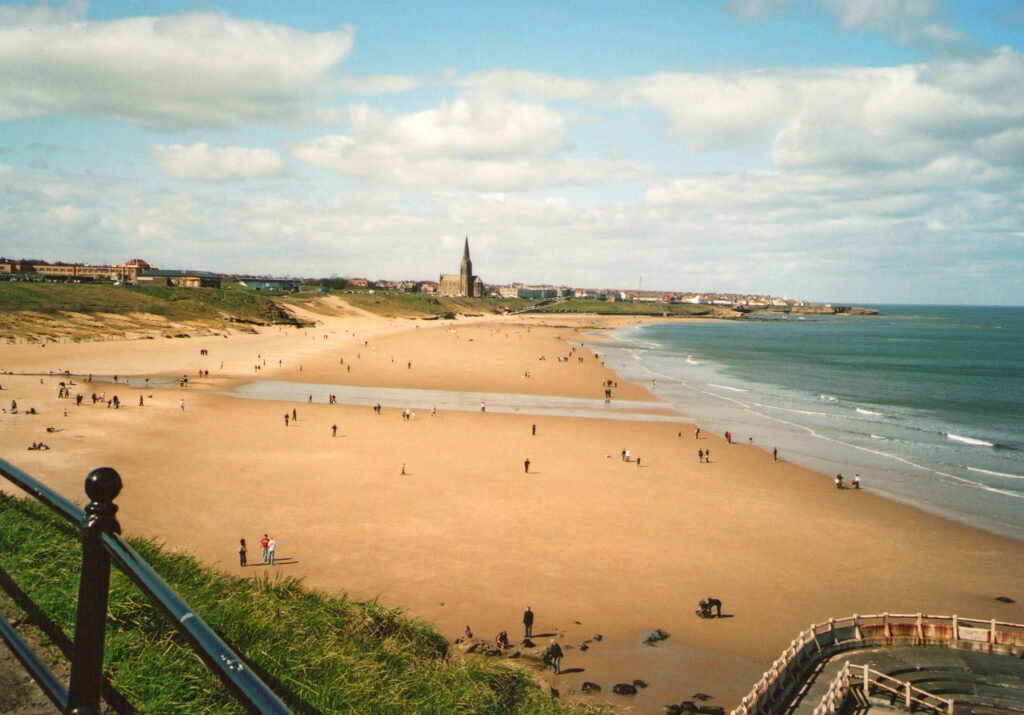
pixel 901 691
pixel 102 544
pixel 819 642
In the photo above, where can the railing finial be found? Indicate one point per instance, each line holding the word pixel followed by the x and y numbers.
pixel 102 484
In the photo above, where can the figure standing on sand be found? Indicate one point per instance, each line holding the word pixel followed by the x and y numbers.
pixel 728 436
pixel 264 543
pixel 526 466
pixel 700 456
pixel 181 404
pixel 334 430
pixel 527 623
pixel 554 656
pixel 839 481
pixel 856 481
pixel 775 454
pixel 241 552
pixel 271 549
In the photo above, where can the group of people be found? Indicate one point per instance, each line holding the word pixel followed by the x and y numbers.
pixel 552 655
pixel 855 482
pixel 268 548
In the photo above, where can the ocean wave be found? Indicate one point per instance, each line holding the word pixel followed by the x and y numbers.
pixel 996 474
pixel 969 440
pixel 829 398
pixel 726 387
pixel 789 409
pixel 869 412
pixel 691 361
pixel 878 436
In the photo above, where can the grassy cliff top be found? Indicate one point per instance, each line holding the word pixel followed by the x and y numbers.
pixel 319 653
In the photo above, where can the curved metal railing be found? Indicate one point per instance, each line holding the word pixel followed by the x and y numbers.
pixel 101 545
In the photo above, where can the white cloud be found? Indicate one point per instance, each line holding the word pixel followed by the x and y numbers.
pixel 482 144
pixel 200 162
pixel 376 84
pixel 757 10
pixel 908 21
pixel 197 69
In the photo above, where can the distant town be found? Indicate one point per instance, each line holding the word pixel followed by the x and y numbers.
pixel 463 284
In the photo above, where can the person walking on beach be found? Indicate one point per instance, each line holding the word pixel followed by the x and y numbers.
pixel 700 456
pixel 555 656
pixel 856 481
pixel 728 436
pixel 527 623
pixel 696 433
pixel 526 465
pixel 295 415
pixel 637 461
pixel 775 454
pixel 533 430
pixel 271 549
pixel 241 552
pixel 285 419
pixel 839 481
pixel 181 404
pixel 264 543
pixel 334 430
pixel 707 456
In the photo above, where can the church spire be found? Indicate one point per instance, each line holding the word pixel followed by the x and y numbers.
pixel 465 251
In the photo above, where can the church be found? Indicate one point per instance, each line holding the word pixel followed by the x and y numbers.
pixel 464 284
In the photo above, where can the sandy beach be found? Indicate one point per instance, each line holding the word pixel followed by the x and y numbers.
pixel 593 544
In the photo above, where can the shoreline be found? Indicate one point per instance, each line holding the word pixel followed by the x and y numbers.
pixel 812 445
pixel 593 544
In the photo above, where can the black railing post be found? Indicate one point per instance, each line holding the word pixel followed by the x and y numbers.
pixel 102 485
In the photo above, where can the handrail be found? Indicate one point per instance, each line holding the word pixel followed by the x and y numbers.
pixel 837 691
pixel 953 630
pixel 101 544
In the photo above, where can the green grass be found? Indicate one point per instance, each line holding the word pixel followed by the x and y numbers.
pixel 602 307
pixel 319 653
pixel 171 303
pixel 422 305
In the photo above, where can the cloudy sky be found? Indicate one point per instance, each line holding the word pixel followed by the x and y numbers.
pixel 863 151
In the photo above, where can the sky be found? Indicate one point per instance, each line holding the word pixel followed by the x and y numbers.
pixel 865 151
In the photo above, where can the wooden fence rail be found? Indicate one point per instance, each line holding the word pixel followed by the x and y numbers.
pixel 820 642
pixel 904 692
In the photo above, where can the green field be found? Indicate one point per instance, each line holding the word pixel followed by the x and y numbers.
pixel 172 303
pixel 420 305
pixel 319 653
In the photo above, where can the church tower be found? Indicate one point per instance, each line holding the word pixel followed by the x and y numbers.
pixel 466 273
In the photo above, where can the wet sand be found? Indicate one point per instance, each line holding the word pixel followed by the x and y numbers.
pixel 593 544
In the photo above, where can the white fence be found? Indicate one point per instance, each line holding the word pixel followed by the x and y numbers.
pixel 819 642
pixel 901 691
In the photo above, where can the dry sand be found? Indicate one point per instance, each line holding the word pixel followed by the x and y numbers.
pixel 592 544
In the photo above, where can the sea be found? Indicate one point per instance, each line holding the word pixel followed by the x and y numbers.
pixel 924 403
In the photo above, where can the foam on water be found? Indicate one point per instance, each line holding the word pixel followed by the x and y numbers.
pixel 969 440
pixel 891 399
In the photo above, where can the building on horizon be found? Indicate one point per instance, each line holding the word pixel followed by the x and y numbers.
pixel 179 279
pixel 75 272
pixel 463 284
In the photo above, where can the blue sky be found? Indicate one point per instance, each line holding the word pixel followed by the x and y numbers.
pixel 833 150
